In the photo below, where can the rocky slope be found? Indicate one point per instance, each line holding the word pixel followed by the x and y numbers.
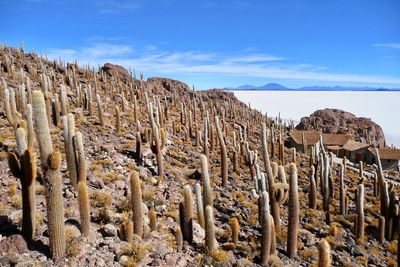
pixel 111 157
pixel 339 121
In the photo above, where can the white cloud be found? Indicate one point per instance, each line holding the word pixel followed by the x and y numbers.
pixel 388 45
pixel 156 61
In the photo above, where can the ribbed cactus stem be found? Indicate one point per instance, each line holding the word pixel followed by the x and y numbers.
pixel 7 107
pixel 324 254
pixel 70 151
pixel 205 177
pixel 153 219
pixel 186 214
pixel 293 220
pixel 235 229
pixel 136 203
pixel 211 244
pixel 55 206
pixel 28 194
pixel 29 119
pixel 84 207
pixel 224 156
pixel 312 204
pixel 360 212
pixel 80 156
pixel 41 127
pixel 265 229
pixel 117 120
pixel 178 239
pixel 138 152
pixel 341 190
pixel 273 236
pixel 381 229
pixel 100 110
pixel 205 137
pixel 199 204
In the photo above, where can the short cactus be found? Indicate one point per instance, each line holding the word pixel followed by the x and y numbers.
pixel 211 244
pixel 235 229
pixel 186 214
pixel 324 254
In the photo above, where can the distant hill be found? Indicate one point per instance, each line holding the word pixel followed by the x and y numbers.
pixel 277 87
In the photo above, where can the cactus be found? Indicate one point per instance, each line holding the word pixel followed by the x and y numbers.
pixel 199 204
pixel 117 120
pixel 304 143
pixel 205 177
pixel 69 132
pixel 224 156
pixel 100 110
pixel 360 213
pixel 324 254
pixel 153 219
pixel 273 236
pixel 265 229
pixel 211 244
pixel 312 198
pixel 138 152
pixel 80 156
pixel 279 195
pixel 341 190
pixel 55 110
pixel 29 119
pixel 381 229
pixel 84 207
pixel 55 207
pixel 136 204
pixel 293 220
pixel 293 149
pixel 126 230
pixel 235 229
pixel 186 214
pixel 179 239
pixel 159 142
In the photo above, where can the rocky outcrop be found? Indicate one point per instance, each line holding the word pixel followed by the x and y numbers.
pixel 343 122
pixel 116 71
pixel 154 84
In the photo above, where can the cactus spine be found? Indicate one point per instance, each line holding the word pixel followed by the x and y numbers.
pixel 324 253
pixel 136 203
pixel 293 221
pixel 224 156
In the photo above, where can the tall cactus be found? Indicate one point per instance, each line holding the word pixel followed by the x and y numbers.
pixel 186 214
pixel 50 161
pixel 312 198
pixel 341 190
pixel 224 156
pixel 265 229
pixel 136 203
pixel 199 204
pixel 360 213
pixel 205 177
pixel 293 221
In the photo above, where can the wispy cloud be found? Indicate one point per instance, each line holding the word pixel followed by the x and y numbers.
pixel 388 45
pixel 155 61
pixel 115 6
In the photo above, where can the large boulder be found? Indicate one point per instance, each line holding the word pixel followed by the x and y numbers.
pixel 343 122
pixel 116 71
pixel 170 85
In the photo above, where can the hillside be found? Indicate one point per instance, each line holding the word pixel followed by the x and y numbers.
pixel 128 194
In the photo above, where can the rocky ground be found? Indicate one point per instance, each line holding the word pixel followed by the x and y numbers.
pixel 110 160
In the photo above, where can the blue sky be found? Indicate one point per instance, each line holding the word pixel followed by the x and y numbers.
pixel 219 43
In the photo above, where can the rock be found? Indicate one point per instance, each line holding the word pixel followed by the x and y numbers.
pixel 116 71
pixel 343 122
pixel 108 230
pixel 109 148
pixel 13 244
pixel 198 233
pixel 96 182
pixel 156 83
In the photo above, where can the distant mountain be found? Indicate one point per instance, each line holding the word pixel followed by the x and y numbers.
pixel 278 87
